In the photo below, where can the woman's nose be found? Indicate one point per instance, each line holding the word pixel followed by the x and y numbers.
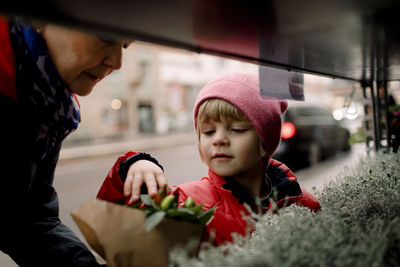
pixel 114 57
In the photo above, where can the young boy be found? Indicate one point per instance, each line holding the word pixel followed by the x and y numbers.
pixel 237 135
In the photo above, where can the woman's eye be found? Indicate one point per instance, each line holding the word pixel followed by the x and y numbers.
pixel 106 39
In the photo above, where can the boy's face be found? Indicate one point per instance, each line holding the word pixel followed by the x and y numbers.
pixel 229 148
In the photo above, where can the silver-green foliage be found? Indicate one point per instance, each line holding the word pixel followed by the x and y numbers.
pixel 359 225
pixel 366 193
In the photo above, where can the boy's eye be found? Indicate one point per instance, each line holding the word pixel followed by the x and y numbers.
pixel 239 130
pixel 208 132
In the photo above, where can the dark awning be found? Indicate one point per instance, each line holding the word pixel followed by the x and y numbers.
pixel 357 40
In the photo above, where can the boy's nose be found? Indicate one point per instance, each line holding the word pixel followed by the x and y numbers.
pixel 220 138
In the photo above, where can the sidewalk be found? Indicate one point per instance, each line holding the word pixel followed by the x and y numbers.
pixel 139 143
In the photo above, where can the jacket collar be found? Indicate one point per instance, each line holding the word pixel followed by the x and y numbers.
pixel 215 178
pixel 53 109
pixel 282 186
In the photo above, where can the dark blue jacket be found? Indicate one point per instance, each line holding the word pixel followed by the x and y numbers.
pixel 31 232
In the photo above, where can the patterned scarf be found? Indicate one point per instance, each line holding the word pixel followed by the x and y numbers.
pixel 40 89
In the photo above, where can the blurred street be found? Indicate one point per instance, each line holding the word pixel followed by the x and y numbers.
pixel 78 180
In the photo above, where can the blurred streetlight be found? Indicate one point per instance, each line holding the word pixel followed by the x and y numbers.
pixel 350 113
pixel 116 104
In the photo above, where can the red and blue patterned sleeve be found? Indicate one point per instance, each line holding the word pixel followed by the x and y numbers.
pixel 7 63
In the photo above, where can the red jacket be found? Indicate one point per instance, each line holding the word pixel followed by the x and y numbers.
pixel 113 188
pixel 214 191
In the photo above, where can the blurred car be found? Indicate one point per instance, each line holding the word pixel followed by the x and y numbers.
pixel 310 134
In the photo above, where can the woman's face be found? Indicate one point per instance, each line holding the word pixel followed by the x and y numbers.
pixel 82 59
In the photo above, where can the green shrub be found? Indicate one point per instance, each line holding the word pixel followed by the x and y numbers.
pixel 358 136
pixel 359 225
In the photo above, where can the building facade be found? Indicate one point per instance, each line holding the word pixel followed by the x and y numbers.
pixel 153 93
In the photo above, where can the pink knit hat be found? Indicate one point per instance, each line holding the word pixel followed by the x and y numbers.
pixel 242 91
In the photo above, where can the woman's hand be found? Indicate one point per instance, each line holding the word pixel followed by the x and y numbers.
pixel 143 172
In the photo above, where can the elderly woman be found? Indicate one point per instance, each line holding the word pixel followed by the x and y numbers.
pixel 41 70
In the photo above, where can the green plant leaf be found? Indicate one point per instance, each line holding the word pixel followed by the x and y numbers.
pixel 167 202
pixel 153 220
pixel 146 199
pixel 148 210
pixel 163 192
pixel 189 202
pixel 135 205
pixel 179 212
pixel 186 210
pixel 206 216
pixel 197 209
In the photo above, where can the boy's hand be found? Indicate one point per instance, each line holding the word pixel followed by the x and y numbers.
pixel 143 172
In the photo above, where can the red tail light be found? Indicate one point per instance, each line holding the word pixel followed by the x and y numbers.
pixel 288 130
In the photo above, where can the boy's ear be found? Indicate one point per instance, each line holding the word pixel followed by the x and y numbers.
pixel 263 153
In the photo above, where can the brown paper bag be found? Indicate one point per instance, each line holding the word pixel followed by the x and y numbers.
pixel 117 233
